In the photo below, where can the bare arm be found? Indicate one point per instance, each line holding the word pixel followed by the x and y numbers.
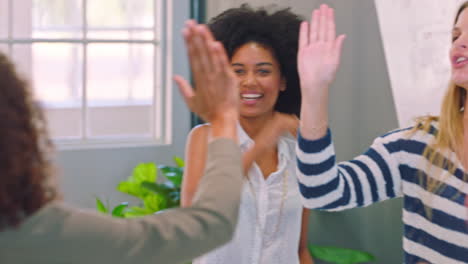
pixel 318 59
pixel 266 139
pixel 195 158
pixel 304 253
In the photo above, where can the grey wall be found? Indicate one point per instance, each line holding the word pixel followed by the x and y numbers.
pixel 95 172
pixel 361 108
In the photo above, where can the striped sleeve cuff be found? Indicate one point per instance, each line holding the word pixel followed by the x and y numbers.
pixel 314 146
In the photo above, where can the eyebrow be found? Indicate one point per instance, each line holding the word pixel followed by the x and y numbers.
pixel 258 64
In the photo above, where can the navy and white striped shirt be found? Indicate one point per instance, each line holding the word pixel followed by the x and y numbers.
pixel 392 167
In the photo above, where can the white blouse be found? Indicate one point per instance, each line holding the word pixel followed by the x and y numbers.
pixel 270 215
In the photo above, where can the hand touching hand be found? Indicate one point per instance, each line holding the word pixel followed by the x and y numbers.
pixel 216 96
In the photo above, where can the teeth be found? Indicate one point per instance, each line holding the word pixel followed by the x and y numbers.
pixel 251 96
pixel 461 59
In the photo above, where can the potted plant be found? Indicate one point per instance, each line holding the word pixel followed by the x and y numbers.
pixel 153 196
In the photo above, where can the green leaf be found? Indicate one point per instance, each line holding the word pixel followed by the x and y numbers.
pixel 171 185
pixel 144 172
pixel 173 174
pixel 137 212
pixel 132 188
pixel 101 207
pixel 155 202
pixel 157 188
pixel 175 178
pixel 167 169
pixel 119 210
pixel 340 255
pixel 179 162
pixel 174 200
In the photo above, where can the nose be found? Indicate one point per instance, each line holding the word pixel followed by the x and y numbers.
pixel 248 80
pixel 461 42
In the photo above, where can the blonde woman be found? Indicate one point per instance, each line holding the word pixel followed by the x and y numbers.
pixel 425 164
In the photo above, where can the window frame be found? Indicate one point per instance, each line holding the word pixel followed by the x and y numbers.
pixel 162 104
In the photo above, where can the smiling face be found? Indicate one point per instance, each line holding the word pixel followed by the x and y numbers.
pixel 260 79
pixel 459 51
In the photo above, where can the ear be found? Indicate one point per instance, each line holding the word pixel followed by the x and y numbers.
pixel 283 84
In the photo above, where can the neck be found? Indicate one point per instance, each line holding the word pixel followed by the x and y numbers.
pixel 253 125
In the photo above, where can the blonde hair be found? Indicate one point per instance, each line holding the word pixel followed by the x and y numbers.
pixel 449 137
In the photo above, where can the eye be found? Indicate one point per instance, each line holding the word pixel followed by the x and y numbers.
pixel 239 71
pixel 454 37
pixel 264 72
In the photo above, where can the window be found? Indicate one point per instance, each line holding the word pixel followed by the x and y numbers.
pixel 96 66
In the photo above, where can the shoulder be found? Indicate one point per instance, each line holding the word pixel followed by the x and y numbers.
pixel 200 132
pixel 413 139
pixel 424 129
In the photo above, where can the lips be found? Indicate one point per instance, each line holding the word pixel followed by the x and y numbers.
pixel 459 61
pixel 250 98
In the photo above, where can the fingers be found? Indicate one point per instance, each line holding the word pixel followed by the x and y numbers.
pixel 202 50
pixel 314 26
pixel 322 26
pixel 339 47
pixel 208 35
pixel 216 51
pixel 223 58
pixel 323 23
pixel 187 34
pixel 331 28
pixel 199 42
pixel 185 89
pixel 304 34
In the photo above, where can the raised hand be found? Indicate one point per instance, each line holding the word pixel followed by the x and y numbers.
pixel 318 59
pixel 216 96
pixel 319 50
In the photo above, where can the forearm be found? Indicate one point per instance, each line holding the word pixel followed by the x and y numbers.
pixel 322 185
pixel 314 113
pixel 209 222
pixel 225 126
pixel 304 253
pixel 305 257
pixel 368 178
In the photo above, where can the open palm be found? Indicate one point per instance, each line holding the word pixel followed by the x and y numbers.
pixel 319 50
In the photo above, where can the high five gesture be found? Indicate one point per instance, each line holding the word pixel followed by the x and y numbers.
pixel 318 59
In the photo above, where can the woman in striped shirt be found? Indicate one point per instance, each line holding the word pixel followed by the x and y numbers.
pixel 425 164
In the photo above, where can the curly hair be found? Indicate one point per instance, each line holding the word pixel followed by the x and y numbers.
pixel 277 30
pixel 25 170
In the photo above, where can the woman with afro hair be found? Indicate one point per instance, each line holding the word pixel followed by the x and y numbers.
pixel 272 224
